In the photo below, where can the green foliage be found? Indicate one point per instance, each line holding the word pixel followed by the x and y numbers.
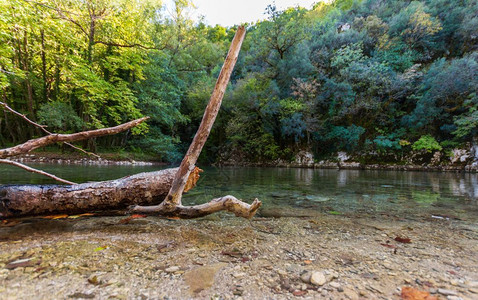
pixel 59 117
pixel 345 75
pixel 428 143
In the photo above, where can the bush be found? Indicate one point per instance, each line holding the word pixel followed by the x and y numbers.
pixel 428 143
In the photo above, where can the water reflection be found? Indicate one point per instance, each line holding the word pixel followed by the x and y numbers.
pixel 322 190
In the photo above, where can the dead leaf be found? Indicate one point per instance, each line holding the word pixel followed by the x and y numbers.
pixel 94 280
pixel 409 293
pixel 137 216
pixel 299 293
pixel 403 240
pixel 82 215
pixel 307 262
pixel 101 248
pixel 55 217
pixel 9 223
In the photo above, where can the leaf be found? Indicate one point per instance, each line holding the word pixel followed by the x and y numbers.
pixel 55 217
pixel 409 293
pixel 333 212
pixel 307 262
pixel 101 248
pixel 134 216
pixel 403 240
pixel 82 215
pixel 299 293
pixel 9 223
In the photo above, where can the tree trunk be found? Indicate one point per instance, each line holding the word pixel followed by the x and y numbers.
pixel 144 188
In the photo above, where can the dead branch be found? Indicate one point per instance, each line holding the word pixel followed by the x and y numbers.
pixel 59 138
pixel 43 128
pixel 171 206
pixel 33 170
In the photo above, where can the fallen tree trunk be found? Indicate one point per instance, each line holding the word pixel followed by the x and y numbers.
pixel 144 188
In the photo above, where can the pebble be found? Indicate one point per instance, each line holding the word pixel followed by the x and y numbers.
pixel 471 284
pixel 172 269
pixel 239 275
pixel 454 298
pixel 352 295
pixel 447 292
pixel 305 277
pixel 317 278
pixel 335 284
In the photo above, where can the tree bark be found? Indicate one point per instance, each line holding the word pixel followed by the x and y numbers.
pixel 144 188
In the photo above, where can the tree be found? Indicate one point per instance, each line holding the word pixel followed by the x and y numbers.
pixel 18 201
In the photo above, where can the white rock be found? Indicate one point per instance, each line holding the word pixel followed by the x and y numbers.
pixel 335 284
pixel 172 269
pixel 447 292
pixel 317 278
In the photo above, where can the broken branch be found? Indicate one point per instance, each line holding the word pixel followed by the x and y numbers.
pixel 42 127
pixel 33 170
pixel 57 138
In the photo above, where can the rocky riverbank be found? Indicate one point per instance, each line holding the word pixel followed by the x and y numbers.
pixel 315 256
pixel 459 161
pixel 68 159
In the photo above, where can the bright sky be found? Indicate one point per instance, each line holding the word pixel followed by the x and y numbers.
pixel 231 12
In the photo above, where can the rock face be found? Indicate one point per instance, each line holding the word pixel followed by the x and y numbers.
pixel 304 158
pixel 459 156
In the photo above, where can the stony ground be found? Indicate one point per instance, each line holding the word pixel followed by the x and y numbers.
pixel 315 256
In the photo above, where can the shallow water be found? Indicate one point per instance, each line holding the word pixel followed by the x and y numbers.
pixel 401 194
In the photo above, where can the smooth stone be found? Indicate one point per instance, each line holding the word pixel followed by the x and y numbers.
pixel 447 292
pixel 318 278
pixel 239 275
pixel 335 284
pixel 172 269
pixel 305 277
pixel 454 298
pixel 473 290
pixel 471 283
pixel 352 295
pixel 202 278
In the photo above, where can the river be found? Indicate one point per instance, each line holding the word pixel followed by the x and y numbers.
pixel 364 192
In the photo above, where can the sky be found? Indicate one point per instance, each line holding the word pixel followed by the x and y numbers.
pixel 231 12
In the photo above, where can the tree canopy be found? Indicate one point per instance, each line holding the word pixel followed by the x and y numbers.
pixel 365 75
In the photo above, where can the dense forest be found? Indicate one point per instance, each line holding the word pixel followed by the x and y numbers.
pixel 371 76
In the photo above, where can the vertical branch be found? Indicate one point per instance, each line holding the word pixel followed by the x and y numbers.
pixel 187 165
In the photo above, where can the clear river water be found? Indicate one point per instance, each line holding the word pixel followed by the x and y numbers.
pixel 402 194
